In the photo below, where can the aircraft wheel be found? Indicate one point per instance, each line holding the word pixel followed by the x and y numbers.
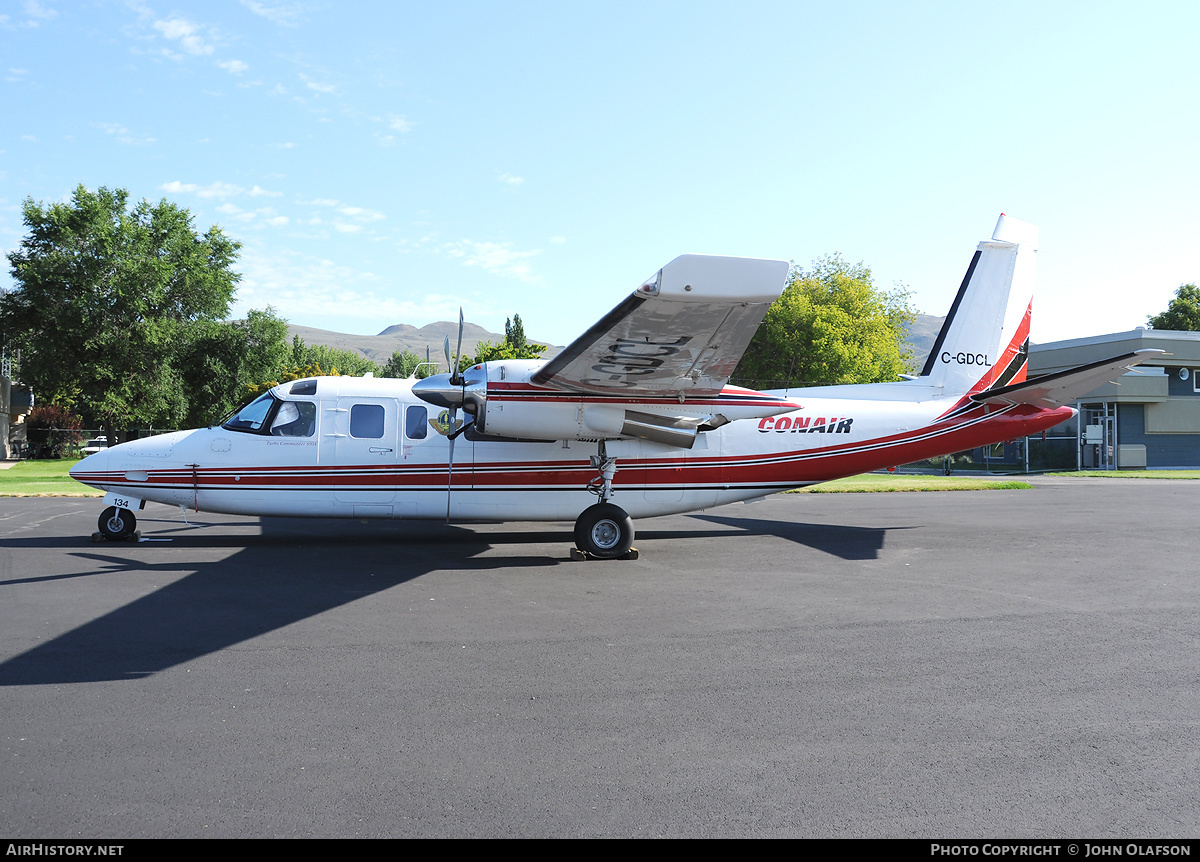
pixel 117 523
pixel 604 531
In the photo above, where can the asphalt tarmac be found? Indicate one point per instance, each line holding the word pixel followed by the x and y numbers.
pixel 970 664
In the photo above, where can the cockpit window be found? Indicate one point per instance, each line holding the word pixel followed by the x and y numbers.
pixel 269 415
pixel 252 416
pixel 304 387
pixel 294 419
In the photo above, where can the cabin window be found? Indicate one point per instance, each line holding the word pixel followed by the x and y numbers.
pixel 416 424
pixel 366 421
pixel 295 419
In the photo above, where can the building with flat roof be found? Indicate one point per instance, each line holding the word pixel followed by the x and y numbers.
pixel 1150 417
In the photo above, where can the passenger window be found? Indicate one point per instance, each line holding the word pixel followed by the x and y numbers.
pixel 416 423
pixel 366 421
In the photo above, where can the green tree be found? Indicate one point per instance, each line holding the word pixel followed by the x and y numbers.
pixel 514 332
pixel 830 325
pixel 286 375
pixel 223 360
pixel 336 361
pixel 105 295
pixel 402 365
pixel 514 345
pixel 1183 312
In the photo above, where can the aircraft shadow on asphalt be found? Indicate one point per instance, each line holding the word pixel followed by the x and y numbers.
pixel 289 573
pixel 849 543
pixel 296 568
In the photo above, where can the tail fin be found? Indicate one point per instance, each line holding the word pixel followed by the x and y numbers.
pixel 984 341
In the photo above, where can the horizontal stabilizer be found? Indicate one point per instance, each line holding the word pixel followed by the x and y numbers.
pixel 1063 387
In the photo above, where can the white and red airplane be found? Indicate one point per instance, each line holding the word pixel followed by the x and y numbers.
pixel 635 412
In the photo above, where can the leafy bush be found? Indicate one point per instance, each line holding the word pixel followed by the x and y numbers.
pixel 53 431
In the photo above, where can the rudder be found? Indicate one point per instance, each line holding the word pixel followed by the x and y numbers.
pixel 984 341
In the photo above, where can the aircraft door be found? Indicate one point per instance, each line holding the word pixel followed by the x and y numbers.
pixel 424 453
pixel 366 436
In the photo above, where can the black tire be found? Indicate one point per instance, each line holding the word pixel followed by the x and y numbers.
pixel 117 523
pixel 604 531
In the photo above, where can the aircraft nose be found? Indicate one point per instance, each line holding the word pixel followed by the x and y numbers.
pixel 97 462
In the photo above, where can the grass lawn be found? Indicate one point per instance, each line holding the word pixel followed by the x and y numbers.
pixel 870 483
pixel 43 479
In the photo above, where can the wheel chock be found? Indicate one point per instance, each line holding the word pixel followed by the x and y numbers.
pixel 631 554
pixel 135 536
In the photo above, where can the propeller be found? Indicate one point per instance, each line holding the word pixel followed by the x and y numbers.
pixel 456 379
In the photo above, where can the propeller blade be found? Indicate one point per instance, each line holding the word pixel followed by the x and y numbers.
pixel 458 349
pixel 449 364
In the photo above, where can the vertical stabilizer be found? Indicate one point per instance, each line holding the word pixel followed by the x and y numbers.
pixel 984 341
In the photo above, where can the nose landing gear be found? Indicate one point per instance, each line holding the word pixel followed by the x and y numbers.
pixel 116 524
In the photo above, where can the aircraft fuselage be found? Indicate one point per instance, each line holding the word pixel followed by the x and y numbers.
pixel 373 449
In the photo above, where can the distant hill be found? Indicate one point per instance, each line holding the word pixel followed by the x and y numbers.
pixel 401 336
pixel 921 336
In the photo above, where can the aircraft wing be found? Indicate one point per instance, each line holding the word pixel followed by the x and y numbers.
pixel 1063 387
pixel 682 333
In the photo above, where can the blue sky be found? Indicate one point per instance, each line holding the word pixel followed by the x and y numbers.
pixel 388 162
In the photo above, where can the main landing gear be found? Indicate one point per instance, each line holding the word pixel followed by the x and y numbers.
pixel 604 531
pixel 116 524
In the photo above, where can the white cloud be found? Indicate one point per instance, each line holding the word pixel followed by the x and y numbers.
pixel 317 85
pixel 361 213
pixel 262 214
pixel 186 33
pixel 342 227
pixel 284 14
pixel 123 135
pixel 558 240
pixel 37 13
pixel 510 179
pixel 218 189
pixel 233 67
pixel 495 257
pixel 307 288
pixel 400 123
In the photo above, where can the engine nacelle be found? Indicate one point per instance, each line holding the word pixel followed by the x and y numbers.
pixel 505 404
